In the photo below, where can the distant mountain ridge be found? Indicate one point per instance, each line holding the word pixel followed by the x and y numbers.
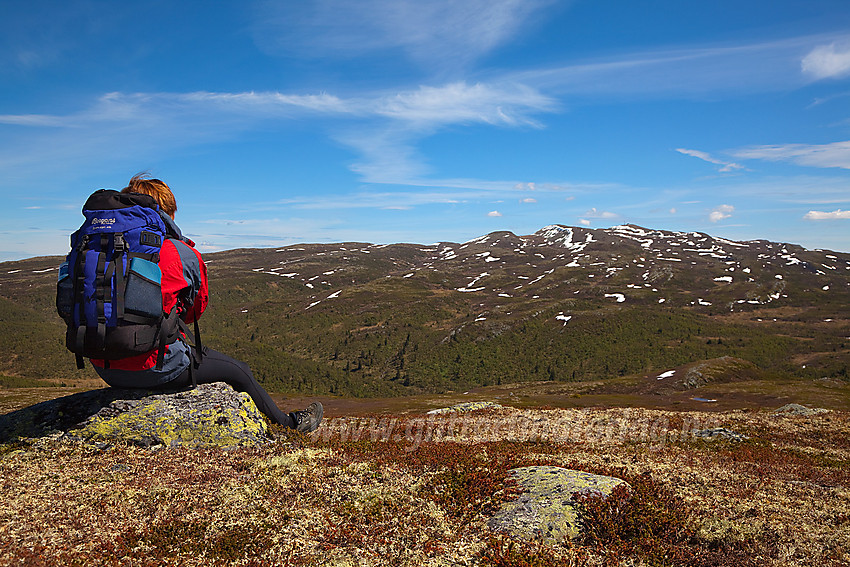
pixel 565 303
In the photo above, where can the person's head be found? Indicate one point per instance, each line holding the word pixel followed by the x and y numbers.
pixel 141 183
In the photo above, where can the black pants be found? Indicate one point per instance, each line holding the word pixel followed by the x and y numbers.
pixel 218 367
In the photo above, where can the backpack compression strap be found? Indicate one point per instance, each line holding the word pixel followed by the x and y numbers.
pixel 79 282
pixel 163 338
pixel 118 267
pixel 197 350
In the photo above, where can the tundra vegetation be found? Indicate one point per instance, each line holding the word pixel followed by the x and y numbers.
pixel 385 490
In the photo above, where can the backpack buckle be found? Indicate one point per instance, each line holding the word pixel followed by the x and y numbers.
pixel 120 245
pixel 150 239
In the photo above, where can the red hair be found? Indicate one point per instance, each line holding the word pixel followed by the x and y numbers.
pixel 156 188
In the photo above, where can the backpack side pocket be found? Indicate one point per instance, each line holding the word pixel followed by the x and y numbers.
pixel 143 295
pixel 65 293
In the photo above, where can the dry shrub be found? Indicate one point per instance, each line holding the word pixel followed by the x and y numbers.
pixel 502 551
pixel 651 523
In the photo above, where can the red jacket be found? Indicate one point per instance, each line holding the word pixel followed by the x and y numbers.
pixel 184 282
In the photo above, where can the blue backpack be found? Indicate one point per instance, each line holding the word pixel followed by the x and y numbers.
pixel 109 290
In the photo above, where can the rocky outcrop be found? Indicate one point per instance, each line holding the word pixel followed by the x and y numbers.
pixel 723 369
pixel 546 509
pixel 211 415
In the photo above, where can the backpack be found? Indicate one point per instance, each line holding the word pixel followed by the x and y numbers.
pixel 109 291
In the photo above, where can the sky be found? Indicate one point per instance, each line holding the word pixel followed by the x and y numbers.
pixel 384 121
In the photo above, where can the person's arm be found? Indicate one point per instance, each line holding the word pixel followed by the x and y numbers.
pixel 184 280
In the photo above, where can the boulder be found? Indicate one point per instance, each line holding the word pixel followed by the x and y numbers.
pixel 797 409
pixel 211 415
pixel 546 510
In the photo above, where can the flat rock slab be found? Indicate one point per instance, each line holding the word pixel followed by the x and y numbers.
pixel 546 510
pixel 211 415
pixel 719 433
pixel 467 406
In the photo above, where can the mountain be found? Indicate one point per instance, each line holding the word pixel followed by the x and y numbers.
pixel 563 304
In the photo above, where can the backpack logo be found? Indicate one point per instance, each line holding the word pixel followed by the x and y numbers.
pixel 103 222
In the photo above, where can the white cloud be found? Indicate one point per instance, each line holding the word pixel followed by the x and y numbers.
pixel 721 212
pixel 594 213
pixel 438 32
pixel 494 214
pixel 836 154
pixel 823 215
pixel 584 222
pixel 827 61
pixel 528 200
pixel 525 186
pixel 727 166
pixel 673 211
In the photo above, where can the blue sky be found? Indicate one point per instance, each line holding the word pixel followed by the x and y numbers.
pixel 407 121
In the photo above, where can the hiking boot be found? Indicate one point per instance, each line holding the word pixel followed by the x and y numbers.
pixel 308 420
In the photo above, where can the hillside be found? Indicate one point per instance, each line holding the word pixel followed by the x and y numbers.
pixel 565 304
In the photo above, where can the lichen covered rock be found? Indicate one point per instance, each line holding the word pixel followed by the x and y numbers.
pixel 797 409
pixel 546 509
pixel 211 415
pixel 719 433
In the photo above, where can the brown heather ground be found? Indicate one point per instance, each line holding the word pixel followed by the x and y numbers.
pixel 421 494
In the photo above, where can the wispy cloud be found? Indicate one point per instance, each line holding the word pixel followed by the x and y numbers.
pixel 828 61
pixel 402 200
pixel 683 71
pixel 494 214
pixel 823 215
pixel 836 154
pixel 720 213
pixel 382 128
pixel 508 103
pixel 427 106
pixel 725 165
pixel 222 234
pixel 434 32
pixel 388 147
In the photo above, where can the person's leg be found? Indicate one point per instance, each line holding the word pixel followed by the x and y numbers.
pixel 218 367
